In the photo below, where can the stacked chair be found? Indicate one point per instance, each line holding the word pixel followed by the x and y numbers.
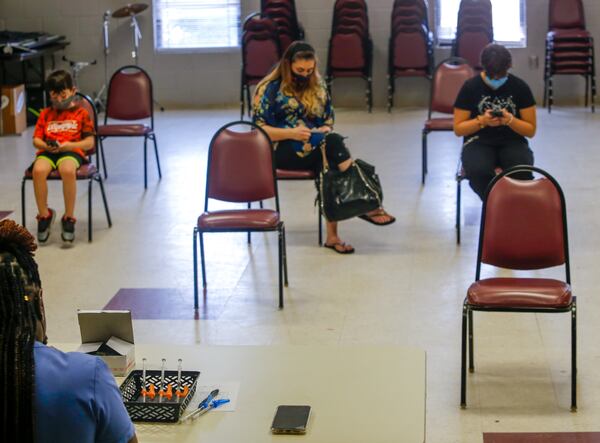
pixel 350 46
pixel 569 48
pixel 283 13
pixel 474 30
pixel 261 50
pixel 411 44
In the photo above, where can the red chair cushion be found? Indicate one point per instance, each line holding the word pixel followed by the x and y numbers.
pixel 440 124
pixel 520 293
pixel 288 174
pixel 83 173
pixel 123 130
pixel 239 219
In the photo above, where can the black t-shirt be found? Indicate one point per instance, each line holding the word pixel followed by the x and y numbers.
pixel 477 97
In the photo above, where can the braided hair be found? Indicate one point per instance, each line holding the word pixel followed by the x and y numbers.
pixel 21 311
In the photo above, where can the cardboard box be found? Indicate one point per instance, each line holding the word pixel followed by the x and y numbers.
pixel 14 114
pixel 109 328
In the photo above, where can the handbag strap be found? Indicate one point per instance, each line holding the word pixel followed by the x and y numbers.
pixel 325 162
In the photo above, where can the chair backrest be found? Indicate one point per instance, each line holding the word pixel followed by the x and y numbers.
pixel 447 80
pixel 566 14
pixel 259 57
pixel 470 42
pixel 240 165
pixel 130 95
pixel 88 104
pixel 347 51
pixel 523 223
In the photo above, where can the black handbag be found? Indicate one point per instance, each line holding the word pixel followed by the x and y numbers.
pixel 351 193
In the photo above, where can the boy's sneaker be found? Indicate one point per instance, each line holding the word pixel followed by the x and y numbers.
pixel 68 229
pixel 44 224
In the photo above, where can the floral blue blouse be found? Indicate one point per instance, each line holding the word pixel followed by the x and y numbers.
pixel 274 108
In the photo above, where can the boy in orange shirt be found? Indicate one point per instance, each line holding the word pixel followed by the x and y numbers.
pixel 63 133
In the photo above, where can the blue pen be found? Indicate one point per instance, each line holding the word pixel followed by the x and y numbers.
pixel 213 405
pixel 202 405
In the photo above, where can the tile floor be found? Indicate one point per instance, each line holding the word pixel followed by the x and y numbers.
pixel 404 285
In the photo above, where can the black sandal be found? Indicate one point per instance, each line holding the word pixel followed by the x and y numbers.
pixel 342 244
pixel 370 218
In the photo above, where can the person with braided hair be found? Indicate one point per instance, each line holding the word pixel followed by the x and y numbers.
pixel 47 395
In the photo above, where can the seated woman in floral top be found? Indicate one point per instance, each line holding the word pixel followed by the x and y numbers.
pixel 293 107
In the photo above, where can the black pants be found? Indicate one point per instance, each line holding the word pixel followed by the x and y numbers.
pixel 480 159
pixel 335 151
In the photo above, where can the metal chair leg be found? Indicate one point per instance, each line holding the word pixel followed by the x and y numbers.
pixel 471 349
pixel 574 358
pixel 320 223
pixel 202 261
pixel 242 102
pixel 145 162
pixel 23 202
pixel 285 267
pixel 99 180
pixel 101 151
pixel 458 208
pixel 423 157
pixel 249 235
pixel 90 210
pixel 280 261
pixel 153 137
pixel 463 360
pixel 195 243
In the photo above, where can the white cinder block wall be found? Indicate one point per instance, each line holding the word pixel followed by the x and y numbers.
pixel 212 79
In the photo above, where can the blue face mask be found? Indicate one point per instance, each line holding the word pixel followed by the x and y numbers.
pixel 495 83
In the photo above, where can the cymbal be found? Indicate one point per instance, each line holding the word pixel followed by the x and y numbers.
pixel 129 10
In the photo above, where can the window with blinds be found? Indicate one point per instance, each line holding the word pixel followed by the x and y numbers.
pixel 508 17
pixel 196 24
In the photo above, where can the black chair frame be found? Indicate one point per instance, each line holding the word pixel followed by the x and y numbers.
pixel 467 311
pixel 150 136
pixel 199 232
pixel 425 132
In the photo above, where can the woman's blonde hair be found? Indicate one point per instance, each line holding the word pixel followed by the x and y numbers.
pixel 314 96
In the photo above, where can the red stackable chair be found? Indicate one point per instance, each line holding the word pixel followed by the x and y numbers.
pixel 474 30
pixel 260 52
pixel 410 51
pixel 448 78
pixel 130 98
pixel 569 49
pixel 283 13
pixel 240 169
pixel 350 46
pixel 88 171
pixel 523 227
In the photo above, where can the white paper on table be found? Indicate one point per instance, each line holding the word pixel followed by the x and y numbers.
pixel 227 389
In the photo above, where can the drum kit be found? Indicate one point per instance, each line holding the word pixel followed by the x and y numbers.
pixel 129 11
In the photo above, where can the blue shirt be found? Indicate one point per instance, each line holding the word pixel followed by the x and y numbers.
pixel 77 399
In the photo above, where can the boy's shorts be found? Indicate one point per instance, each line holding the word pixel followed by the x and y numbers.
pixel 57 158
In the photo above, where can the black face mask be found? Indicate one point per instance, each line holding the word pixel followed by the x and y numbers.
pixel 300 81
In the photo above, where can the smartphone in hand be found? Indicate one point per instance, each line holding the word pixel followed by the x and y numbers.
pixel 497 113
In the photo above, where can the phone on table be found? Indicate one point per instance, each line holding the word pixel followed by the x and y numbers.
pixel 497 113
pixel 290 419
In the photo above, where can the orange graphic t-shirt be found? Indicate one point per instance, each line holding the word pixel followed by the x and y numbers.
pixel 68 125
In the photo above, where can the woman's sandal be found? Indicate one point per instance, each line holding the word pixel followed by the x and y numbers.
pixel 379 213
pixel 339 251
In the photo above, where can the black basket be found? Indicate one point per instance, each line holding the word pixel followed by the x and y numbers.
pixel 166 411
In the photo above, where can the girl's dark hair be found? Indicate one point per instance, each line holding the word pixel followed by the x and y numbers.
pixel 59 81
pixel 20 311
pixel 495 60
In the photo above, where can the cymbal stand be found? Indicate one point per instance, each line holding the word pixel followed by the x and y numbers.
pixel 99 97
pixel 137 36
